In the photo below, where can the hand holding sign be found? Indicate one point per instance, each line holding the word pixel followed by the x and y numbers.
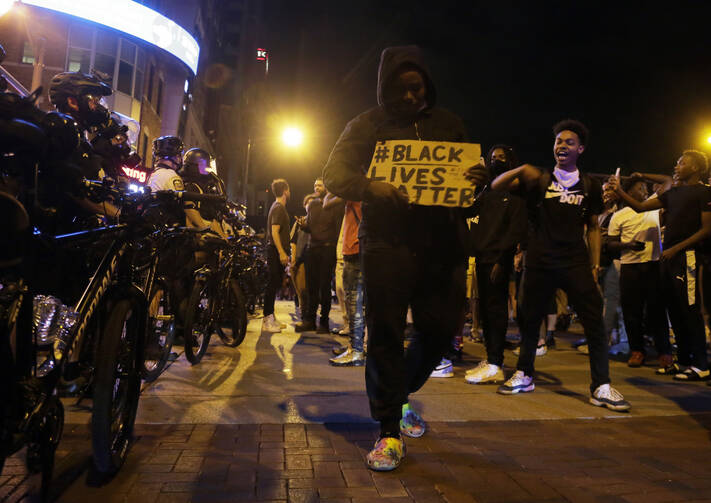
pixel 429 173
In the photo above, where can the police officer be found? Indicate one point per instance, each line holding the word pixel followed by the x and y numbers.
pixel 79 96
pixel 199 178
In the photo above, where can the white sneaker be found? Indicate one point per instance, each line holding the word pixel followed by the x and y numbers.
pixel 485 372
pixel 444 369
pixel 517 383
pixel 607 396
pixel 270 324
pixel 541 350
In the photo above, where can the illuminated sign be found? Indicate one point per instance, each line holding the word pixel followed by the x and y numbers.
pixel 134 173
pixel 134 19
pixel 262 55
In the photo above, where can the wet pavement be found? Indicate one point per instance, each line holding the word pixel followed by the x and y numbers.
pixel 272 421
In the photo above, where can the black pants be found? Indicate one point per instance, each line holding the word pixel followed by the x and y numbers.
pixel 274 281
pixel 494 309
pixel 395 279
pixel 539 286
pixel 320 266
pixel 681 296
pixel 640 290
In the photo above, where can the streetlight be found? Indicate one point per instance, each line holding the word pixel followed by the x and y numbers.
pixel 291 137
pixel 708 139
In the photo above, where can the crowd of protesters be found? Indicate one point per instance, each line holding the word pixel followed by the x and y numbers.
pixel 625 263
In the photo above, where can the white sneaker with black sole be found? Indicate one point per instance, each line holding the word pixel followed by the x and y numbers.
pixel 444 369
pixel 517 383
pixel 607 396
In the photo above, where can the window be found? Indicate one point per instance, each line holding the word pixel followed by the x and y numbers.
pixel 144 147
pixel 79 60
pixel 140 69
pixel 159 98
pixel 125 74
pixel 151 78
pixel 28 55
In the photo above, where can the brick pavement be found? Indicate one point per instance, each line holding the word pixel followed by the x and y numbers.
pixel 629 459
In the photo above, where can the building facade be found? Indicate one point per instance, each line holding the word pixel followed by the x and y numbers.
pixel 164 92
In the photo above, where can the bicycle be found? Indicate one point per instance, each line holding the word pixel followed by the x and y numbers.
pixel 216 302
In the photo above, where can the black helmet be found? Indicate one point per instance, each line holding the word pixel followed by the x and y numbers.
pixel 192 159
pixel 167 146
pixel 75 84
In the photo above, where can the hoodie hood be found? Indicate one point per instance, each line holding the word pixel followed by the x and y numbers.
pixel 391 61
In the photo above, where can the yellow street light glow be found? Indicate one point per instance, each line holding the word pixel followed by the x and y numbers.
pixel 5 6
pixel 708 139
pixel 292 137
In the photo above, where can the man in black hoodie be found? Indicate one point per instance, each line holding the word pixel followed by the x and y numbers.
pixel 411 255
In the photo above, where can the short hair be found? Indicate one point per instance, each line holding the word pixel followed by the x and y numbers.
pixel 318 178
pixel 279 186
pixel 631 181
pixel 576 127
pixel 699 160
pixel 511 157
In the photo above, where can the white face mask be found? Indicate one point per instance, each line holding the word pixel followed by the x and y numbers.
pixel 565 178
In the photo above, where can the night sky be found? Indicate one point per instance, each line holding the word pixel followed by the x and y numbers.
pixel 638 76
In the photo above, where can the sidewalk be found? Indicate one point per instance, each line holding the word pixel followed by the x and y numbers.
pixel 272 421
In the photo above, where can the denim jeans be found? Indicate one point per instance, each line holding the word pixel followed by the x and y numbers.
pixel 353 287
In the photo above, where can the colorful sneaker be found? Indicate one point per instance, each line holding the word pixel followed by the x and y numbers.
pixel 517 383
pixel 607 396
pixel 484 373
pixel 387 454
pixel 411 424
pixel 444 369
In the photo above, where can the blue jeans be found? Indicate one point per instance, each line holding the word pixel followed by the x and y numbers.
pixel 353 286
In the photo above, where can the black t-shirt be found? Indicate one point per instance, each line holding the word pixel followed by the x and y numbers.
pixel 558 219
pixel 684 205
pixel 278 216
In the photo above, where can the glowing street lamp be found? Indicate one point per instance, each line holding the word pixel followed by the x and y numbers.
pixel 292 136
pixel 708 139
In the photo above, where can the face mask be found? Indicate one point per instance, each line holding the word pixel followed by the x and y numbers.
pixel 498 166
pixel 95 117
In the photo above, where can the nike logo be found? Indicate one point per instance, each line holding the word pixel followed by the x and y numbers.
pixel 573 197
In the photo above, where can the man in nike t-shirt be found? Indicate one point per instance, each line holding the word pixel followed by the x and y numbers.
pixel 563 205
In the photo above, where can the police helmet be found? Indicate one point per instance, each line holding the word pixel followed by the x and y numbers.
pixel 192 159
pixel 167 146
pixel 75 84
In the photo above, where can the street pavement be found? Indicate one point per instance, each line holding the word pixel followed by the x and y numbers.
pixel 272 421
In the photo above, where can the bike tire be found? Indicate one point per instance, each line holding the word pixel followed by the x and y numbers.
pixel 198 322
pixel 159 333
pixel 232 328
pixel 53 427
pixel 116 386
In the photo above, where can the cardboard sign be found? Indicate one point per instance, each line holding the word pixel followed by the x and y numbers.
pixel 431 173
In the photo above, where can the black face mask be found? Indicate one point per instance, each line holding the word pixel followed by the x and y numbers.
pixel 498 166
pixel 92 118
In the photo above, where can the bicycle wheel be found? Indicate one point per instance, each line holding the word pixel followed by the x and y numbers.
pixel 198 322
pixel 49 433
pixel 116 386
pixel 232 325
pixel 159 334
